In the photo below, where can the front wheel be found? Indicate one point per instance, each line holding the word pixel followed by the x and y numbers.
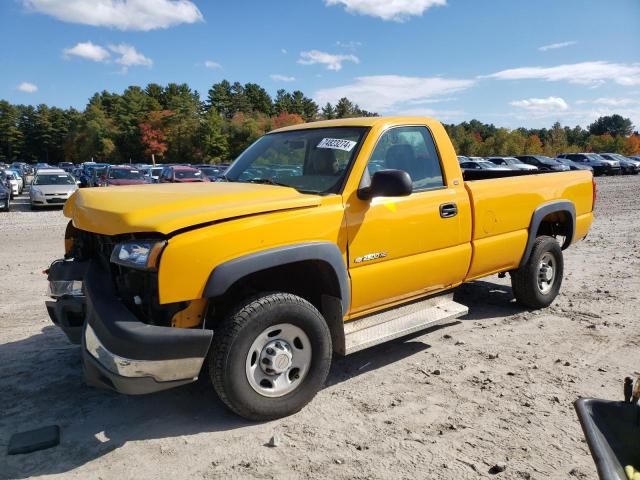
pixel 270 356
pixel 537 283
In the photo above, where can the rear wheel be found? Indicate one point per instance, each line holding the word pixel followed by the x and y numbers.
pixel 537 283
pixel 270 356
pixel 6 205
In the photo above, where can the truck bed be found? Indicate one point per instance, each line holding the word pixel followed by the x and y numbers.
pixel 503 204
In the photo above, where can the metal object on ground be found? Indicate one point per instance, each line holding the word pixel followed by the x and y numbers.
pixel 34 440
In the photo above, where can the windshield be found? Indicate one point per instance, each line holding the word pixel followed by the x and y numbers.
pixel 54 179
pixel 188 174
pixel 512 161
pixel 486 165
pixel 156 171
pixel 594 156
pixel 125 174
pixel 312 160
pixel 209 171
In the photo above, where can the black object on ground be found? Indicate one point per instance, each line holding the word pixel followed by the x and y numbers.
pixel 34 440
pixel 612 430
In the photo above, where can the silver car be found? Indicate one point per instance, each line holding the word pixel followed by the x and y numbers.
pixel 51 187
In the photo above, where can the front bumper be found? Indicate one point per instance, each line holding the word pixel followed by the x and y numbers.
pixel 122 353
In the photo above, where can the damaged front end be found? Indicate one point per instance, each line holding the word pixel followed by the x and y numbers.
pixel 105 297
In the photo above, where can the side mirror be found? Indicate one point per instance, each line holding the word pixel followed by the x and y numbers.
pixel 387 183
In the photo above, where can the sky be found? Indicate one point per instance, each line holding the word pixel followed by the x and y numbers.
pixel 508 62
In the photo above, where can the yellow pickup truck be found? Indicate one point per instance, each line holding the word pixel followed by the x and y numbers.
pixel 322 238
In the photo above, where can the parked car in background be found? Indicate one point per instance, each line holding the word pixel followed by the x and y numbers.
pixel 51 187
pixel 5 198
pixel 91 174
pixel 66 166
pixel 573 165
pixel 481 165
pixel 600 165
pixel 627 165
pixel 116 175
pixel 182 174
pixel 212 172
pixel 39 166
pixel 544 163
pixel 19 175
pixel 511 163
pixel 155 174
pixel 463 158
pixel 11 181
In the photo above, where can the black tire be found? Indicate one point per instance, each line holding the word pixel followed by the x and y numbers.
pixel 234 338
pixel 6 206
pixel 524 281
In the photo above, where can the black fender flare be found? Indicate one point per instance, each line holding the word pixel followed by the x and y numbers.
pixel 226 274
pixel 542 211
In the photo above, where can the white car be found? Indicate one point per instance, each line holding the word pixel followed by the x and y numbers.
pixel 51 187
pixel 12 182
pixel 511 163
pixel 20 179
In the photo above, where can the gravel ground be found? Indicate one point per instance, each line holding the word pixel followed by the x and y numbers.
pixel 496 386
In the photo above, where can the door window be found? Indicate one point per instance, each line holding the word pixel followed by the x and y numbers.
pixel 412 150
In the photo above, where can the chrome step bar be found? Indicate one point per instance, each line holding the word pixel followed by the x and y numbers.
pixel 381 327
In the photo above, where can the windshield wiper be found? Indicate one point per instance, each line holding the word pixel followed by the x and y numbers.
pixel 268 181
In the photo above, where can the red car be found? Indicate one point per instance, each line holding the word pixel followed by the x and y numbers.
pixel 116 175
pixel 181 174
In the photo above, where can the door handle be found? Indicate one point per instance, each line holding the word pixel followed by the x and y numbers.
pixel 448 210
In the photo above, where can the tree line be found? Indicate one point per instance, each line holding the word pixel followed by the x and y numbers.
pixel 612 133
pixel 173 123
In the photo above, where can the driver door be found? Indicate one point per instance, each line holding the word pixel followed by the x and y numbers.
pixel 402 248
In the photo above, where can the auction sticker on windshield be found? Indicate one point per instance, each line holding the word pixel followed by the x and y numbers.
pixel 337 144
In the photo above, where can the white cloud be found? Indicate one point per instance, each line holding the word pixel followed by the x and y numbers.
pixel 333 62
pixel 555 46
pixel 392 93
pixel 27 87
pixel 129 56
pixel 212 64
pixel 283 51
pixel 351 45
pixel 88 51
pixel 396 10
pixel 586 73
pixel 541 105
pixel 121 14
pixel 615 102
pixel 281 78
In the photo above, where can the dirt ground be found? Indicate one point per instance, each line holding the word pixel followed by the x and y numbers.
pixel 507 379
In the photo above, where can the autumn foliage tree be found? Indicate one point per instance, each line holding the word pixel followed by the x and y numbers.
pixel 153 135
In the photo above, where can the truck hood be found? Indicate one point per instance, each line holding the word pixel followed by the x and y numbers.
pixel 167 207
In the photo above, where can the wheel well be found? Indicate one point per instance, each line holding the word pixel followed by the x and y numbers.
pixel 309 279
pixel 556 224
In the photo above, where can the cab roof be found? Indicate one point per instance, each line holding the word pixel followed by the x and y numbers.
pixel 358 122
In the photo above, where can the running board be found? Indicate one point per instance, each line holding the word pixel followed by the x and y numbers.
pixel 381 327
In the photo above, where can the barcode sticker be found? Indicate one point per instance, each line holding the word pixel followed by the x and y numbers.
pixel 337 144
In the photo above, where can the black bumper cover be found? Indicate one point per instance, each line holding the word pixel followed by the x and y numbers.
pixel 122 334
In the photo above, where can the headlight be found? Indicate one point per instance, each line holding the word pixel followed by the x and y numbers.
pixel 61 288
pixel 141 255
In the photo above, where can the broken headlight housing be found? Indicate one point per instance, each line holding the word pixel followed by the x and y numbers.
pixel 138 254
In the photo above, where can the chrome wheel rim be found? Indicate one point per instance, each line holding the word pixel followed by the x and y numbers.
pixel 278 360
pixel 546 273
